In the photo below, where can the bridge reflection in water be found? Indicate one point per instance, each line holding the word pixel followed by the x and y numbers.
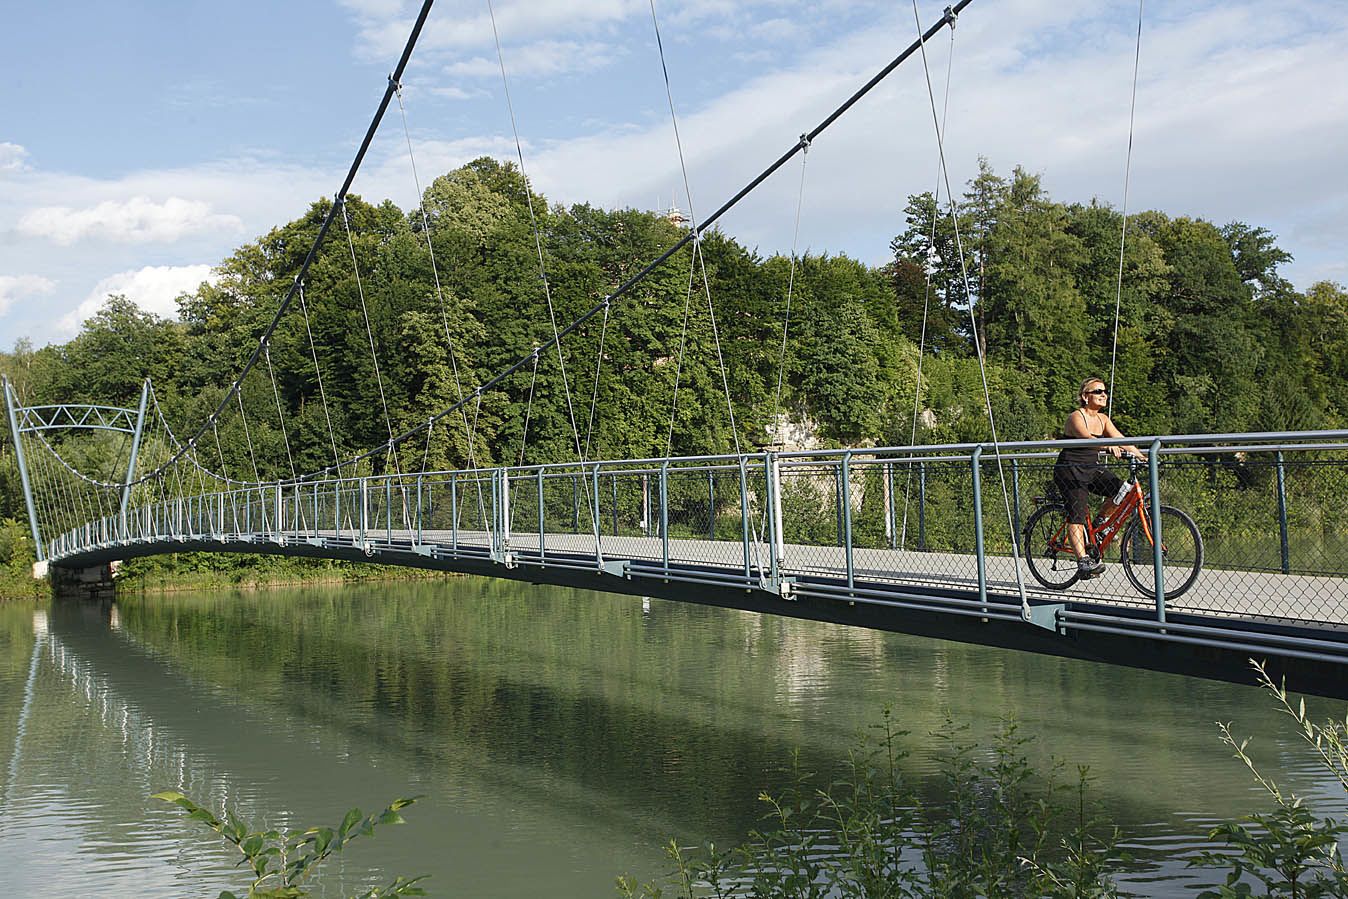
pixel 911 539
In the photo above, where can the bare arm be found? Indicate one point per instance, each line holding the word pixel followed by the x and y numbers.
pixel 1118 451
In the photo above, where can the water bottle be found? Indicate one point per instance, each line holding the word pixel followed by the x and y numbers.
pixel 1123 491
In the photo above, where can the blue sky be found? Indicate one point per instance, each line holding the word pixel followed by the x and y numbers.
pixel 140 143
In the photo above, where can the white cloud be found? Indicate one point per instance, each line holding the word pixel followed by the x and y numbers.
pixel 154 289
pixel 384 27
pixel 13 287
pixel 539 59
pixel 452 92
pixel 135 220
pixel 12 157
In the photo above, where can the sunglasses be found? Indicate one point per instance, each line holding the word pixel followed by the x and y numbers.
pixel 1098 392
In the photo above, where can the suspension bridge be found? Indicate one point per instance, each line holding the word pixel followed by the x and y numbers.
pixel 925 539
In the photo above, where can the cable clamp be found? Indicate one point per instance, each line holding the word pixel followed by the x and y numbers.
pixel 951 16
pixel 395 84
pixel 805 142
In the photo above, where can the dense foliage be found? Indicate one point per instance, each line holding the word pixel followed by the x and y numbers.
pixel 1210 336
pixel 996 828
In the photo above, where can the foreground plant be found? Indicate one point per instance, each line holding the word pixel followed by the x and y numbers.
pixel 996 831
pixel 1291 851
pixel 281 862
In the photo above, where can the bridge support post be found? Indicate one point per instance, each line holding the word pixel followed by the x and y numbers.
pixel 775 474
pixel 744 517
pixel 1154 477
pixel 664 513
pixel 280 515
pixel 11 402
pixel 976 461
pixel 135 450
pixel 845 504
pixel 454 513
pixel 503 530
pixel 711 505
pixel 594 520
pixel 922 507
pixel 891 518
pixel 419 480
pixel 1283 547
pixel 542 520
pixel 364 509
pixel 774 518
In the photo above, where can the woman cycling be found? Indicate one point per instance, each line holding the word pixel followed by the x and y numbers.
pixel 1079 472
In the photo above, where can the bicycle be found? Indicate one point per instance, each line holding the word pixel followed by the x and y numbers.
pixel 1053 563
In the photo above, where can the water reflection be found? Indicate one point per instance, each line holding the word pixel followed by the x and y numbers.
pixel 573 730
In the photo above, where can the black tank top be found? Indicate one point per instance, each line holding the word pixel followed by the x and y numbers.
pixel 1080 455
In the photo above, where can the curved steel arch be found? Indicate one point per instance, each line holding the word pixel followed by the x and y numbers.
pixel 71 416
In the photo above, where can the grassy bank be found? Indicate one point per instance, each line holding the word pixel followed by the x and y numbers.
pixel 16 563
pixel 196 571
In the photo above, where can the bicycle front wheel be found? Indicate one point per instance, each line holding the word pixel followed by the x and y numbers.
pixel 1047 551
pixel 1181 554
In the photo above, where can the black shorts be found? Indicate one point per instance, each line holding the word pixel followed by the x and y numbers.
pixel 1075 481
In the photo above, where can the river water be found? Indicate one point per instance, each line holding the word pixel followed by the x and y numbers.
pixel 558 737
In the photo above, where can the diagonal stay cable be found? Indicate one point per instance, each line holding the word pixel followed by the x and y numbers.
pixel 318 372
pixel 928 269
pixel 978 347
pixel 542 270
pixel 318 239
pixel 435 271
pixel 697 243
pixel 636 278
pixel 538 240
pixel 1123 231
pixel 280 413
pixel 678 364
pixel 790 291
pixel 369 334
pixel 594 393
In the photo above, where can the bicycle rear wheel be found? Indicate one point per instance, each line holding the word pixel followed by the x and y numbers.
pixel 1181 554
pixel 1047 551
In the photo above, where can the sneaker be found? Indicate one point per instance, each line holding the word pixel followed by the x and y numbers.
pixel 1089 568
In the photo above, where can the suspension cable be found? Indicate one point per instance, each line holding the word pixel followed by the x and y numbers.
pixel 928 270
pixel 280 414
pixel 697 242
pixel 237 384
pixel 973 322
pixel 435 275
pixel 248 437
pixel 594 393
pixel 538 240
pixel 678 364
pixel 318 372
pixel 626 286
pixel 1123 230
pixel 529 409
pixel 369 333
pixel 790 289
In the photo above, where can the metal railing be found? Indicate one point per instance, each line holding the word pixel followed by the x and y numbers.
pixel 928 524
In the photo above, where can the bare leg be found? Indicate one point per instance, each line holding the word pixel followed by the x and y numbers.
pixel 1076 535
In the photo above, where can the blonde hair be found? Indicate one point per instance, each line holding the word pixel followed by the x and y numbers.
pixel 1081 393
